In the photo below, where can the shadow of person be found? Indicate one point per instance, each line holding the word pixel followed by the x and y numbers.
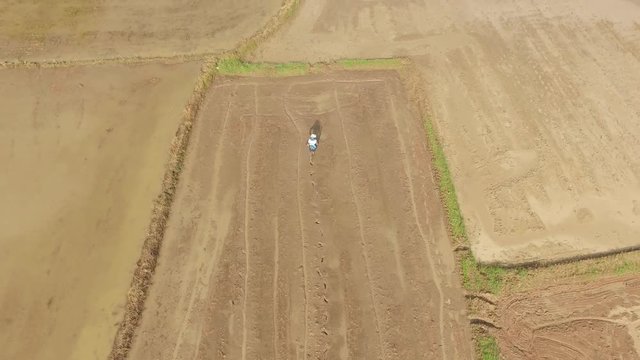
pixel 316 128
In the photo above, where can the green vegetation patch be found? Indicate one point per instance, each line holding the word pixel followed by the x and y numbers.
pixel 627 267
pixel 488 348
pixel 475 277
pixel 480 278
pixel 386 63
pixel 237 67
pixel 445 183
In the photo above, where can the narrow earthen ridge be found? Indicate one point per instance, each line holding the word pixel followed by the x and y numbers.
pixel 532 264
pixel 248 46
pixel 128 60
pixel 147 262
pixel 413 82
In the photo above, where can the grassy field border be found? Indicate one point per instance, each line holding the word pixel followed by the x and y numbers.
pixel 487 348
pixel 371 64
pixel 236 66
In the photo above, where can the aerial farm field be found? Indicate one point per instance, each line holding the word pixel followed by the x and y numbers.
pixel 83 155
pixel 65 30
pixel 270 256
pixel 475 194
pixel 537 105
pixel 593 320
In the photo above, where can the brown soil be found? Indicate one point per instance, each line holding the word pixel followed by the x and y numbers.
pixel 537 104
pixel 269 256
pixel 596 320
pixel 86 29
pixel 83 156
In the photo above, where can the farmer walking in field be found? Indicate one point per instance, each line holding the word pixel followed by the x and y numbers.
pixel 313 143
pixel 313 146
pixel 314 139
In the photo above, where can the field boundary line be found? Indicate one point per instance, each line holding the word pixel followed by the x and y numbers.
pixel 120 60
pixel 238 66
pixel 406 168
pixel 414 86
pixel 147 262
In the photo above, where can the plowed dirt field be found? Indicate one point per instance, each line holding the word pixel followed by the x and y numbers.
pixel 89 29
pixel 537 102
pixel 268 256
pixel 83 154
pixel 595 321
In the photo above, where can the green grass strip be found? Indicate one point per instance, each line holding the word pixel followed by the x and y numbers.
pixel 488 348
pixel 475 277
pixel 391 63
pixel 627 267
pixel 445 183
pixel 237 67
pixel 480 278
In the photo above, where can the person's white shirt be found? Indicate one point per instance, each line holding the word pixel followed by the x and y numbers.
pixel 312 140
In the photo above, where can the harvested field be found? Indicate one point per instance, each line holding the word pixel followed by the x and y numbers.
pixel 88 29
pixel 537 104
pixel 596 320
pixel 269 256
pixel 83 152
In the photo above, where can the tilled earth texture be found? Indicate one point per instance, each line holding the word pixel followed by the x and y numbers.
pixel 83 154
pixel 538 105
pixel 598 321
pixel 87 29
pixel 268 256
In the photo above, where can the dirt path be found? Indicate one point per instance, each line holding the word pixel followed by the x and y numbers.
pixel 83 152
pixel 598 320
pixel 88 29
pixel 537 104
pixel 267 256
